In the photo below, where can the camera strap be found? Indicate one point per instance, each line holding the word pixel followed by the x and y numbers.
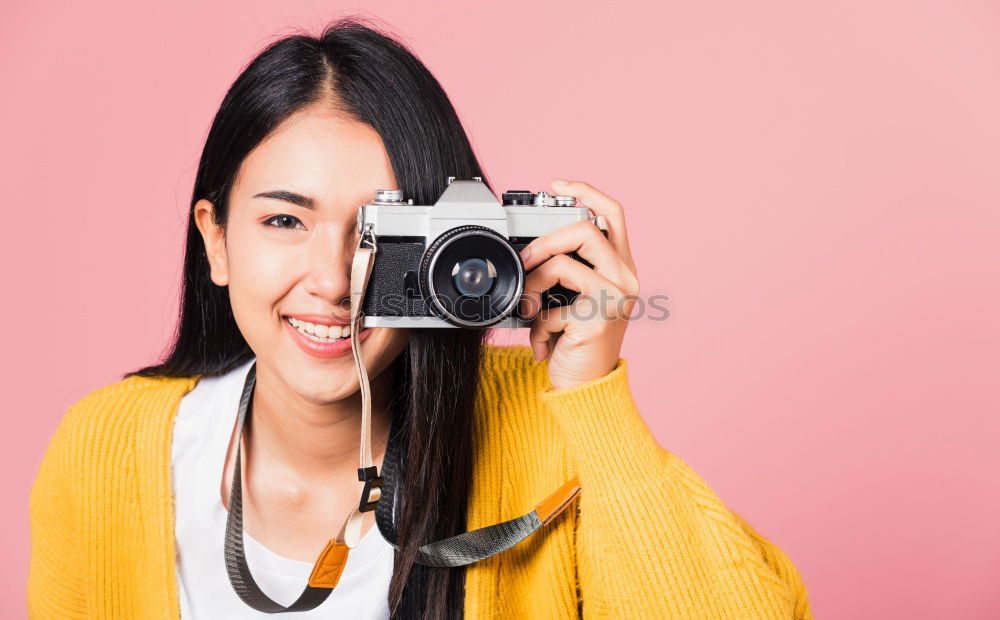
pixel 377 493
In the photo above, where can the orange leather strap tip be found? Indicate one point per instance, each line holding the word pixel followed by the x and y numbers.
pixel 329 565
pixel 555 503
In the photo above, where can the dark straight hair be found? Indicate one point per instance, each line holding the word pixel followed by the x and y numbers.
pixel 374 79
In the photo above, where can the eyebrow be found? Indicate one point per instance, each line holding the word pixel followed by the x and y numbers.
pixel 287 196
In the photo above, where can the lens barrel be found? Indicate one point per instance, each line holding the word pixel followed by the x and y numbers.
pixel 471 276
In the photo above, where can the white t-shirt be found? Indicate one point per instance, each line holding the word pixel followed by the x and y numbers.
pixel 202 429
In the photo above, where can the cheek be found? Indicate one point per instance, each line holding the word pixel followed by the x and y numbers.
pixel 260 275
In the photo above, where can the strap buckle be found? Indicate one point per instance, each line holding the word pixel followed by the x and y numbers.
pixel 369 475
pixel 368 236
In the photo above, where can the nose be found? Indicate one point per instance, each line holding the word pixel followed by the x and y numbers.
pixel 328 269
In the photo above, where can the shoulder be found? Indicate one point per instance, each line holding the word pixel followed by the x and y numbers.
pixel 129 398
pixel 510 410
pixel 512 382
pixel 512 367
pixel 116 414
pixel 521 453
pixel 98 435
pixel 497 356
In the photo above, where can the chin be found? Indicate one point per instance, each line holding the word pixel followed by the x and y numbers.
pixel 338 389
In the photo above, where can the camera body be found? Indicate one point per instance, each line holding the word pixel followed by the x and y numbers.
pixel 456 263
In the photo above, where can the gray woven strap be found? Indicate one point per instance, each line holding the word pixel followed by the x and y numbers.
pixel 474 545
pixel 236 562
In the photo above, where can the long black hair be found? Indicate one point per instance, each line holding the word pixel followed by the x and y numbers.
pixel 375 79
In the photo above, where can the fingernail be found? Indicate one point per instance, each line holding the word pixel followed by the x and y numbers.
pixel 558 182
pixel 525 254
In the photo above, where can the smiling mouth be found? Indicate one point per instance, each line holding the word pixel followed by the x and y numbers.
pixel 321 333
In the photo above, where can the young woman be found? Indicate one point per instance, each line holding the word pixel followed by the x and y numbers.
pixel 129 509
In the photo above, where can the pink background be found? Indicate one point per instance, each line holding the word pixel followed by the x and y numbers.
pixel 813 185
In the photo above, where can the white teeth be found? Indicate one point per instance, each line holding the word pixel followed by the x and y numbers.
pixel 321 333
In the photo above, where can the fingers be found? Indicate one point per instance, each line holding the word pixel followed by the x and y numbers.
pixel 602 298
pixel 607 292
pixel 545 331
pixel 587 241
pixel 601 204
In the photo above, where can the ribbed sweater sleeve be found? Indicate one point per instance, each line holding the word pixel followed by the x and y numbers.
pixel 653 539
pixel 57 568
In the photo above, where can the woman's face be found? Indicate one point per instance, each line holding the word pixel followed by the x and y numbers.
pixel 288 245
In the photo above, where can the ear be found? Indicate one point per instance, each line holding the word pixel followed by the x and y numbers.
pixel 215 241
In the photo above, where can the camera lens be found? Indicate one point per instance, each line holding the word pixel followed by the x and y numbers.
pixel 471 276
pixel 474 277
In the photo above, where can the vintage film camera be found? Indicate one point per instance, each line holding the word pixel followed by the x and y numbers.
pixel 456 263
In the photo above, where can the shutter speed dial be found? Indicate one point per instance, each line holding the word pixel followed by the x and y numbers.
pixel 513 197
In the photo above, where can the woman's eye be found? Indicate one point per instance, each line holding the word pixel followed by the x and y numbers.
pixel 283 221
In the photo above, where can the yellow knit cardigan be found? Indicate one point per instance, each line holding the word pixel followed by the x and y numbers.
pixel 648 538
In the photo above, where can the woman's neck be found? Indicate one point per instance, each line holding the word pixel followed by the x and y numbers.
pixel 316 442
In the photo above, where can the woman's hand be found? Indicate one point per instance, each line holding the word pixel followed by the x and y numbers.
pixel 593 326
